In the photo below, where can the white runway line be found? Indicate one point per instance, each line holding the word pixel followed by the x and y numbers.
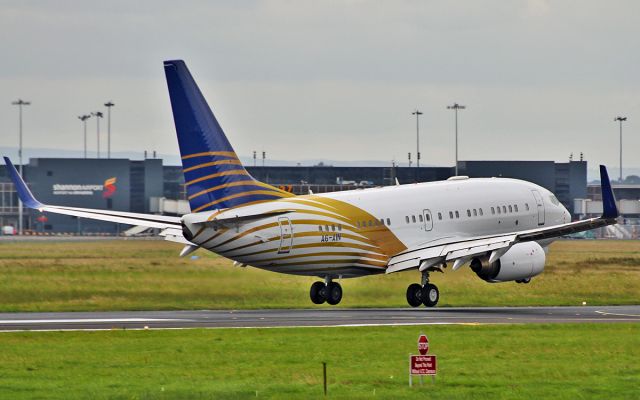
pixel 89 320
pixel 364 325
pixel 617 314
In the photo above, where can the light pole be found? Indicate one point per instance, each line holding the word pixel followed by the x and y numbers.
pixel 98 115
pixel 84 119
pixel 109 104
pixel 20 103
pixel 417 114
pixel 620 120
pixel 455 107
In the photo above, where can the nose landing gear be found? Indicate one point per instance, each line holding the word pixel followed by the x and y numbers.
pixel 328 291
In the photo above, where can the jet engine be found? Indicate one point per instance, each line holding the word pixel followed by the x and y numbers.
pixel 522 262
pixel 186 232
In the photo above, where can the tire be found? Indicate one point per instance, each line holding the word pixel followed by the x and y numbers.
pixel 334 293
pixel 318 292
pixel 430 295
pixel 414 295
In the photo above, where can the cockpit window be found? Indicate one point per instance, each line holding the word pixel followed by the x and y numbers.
pixel 554 200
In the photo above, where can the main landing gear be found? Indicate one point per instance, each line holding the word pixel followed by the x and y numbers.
pixel 328 291
pixel 427 293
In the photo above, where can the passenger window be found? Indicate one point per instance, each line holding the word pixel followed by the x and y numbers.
pixel 326 228
pixel 493 210
pixel 339 227
pixel 468 213
pixel 481 212
pixel 370 223
pixel 421 219
pixel 388 222
pixel 504 209
pixel 413 218
pixel 333 228
pixel 440 216
pixel 457 214
pixel 428 217
pixel 475 212
pixel 381 221
pixel 450 214
pixel 515 207
pixel 526 205
pixel 358 222
pixel 510 208
pixel 407 218
pixel 498 210
pixel 320 228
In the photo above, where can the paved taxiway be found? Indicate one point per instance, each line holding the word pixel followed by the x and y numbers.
pixel 313 317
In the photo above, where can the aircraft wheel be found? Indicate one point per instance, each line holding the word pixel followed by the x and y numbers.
pixel 430 295
pixel 414 295
pixel 334 293
pixel 318 292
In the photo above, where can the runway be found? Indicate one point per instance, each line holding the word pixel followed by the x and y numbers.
pixel 321 317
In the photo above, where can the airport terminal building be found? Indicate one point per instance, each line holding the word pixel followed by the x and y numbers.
pixel 148 186
pixel 112 184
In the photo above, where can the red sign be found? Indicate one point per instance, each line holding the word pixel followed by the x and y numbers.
pixel 423 365
pixel 423 344
pixel 42 218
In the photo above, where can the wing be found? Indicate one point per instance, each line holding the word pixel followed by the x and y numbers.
pixel 462 250
pixel 150 220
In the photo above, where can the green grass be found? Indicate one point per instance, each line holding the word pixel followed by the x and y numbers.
pixel 145 275
pixel 481 362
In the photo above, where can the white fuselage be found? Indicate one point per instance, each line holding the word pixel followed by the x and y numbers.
pixel 354 233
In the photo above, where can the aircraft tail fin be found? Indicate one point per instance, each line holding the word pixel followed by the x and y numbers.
pixel 214 176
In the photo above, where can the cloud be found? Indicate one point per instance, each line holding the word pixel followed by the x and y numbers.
pixel 537 8
pixel 331 79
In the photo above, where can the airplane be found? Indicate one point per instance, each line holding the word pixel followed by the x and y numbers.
pixel 501 228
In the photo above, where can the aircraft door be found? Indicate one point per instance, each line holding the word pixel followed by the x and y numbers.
pixel 539 206
pixel 286 235
pixel 428 220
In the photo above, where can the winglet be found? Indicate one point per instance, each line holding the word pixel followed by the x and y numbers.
pixel 23 191
pixel 609 208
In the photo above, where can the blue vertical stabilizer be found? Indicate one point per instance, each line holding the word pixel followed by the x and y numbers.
pixel 213 174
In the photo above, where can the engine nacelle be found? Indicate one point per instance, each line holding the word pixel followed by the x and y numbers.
pixel 186 232
pixel 189 229
pixel 522 261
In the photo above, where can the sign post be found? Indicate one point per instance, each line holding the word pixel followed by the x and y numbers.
pixel 422 364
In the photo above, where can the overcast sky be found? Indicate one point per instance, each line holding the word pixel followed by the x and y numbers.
pixel 333 80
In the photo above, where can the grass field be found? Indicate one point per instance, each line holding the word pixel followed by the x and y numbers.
pixel 480 362
pixel 145 275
